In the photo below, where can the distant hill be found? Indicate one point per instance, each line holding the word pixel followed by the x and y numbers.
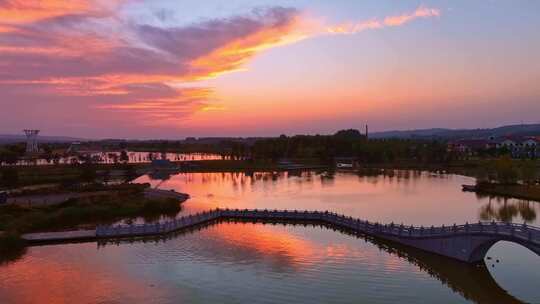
pixel 425 134
pixel 9 139
pixel 446 134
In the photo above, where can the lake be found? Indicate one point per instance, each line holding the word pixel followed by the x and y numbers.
pixel 230 262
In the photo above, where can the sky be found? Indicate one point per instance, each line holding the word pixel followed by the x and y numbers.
pixel 173 69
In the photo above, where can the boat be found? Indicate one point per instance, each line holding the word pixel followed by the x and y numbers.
pixel 469 188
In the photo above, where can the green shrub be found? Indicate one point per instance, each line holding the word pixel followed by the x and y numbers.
pixel 86 210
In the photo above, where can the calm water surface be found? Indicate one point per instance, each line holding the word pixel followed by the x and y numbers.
pixel 243 263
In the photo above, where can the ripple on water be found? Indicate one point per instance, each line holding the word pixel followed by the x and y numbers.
pixel 225 263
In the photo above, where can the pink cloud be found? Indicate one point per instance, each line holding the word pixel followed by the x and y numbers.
pixel 421 12
pixel 62 51
pixel 83 55
pixel 356 27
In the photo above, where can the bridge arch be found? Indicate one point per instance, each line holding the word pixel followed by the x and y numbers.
pixel 478 253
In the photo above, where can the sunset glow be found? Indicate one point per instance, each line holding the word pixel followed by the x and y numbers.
pixel 129 65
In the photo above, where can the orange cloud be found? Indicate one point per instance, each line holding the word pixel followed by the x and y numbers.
pixel 24 11
pixel 59 49
pixel 421 12
pixel 351 28
pixel 164 110
pixel 213 108
pixel 28 11
pixel 235 54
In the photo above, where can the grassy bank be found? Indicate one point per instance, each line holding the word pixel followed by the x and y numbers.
pixel 511 191
pixel 56 174
pixel 83 213
pixel 123 202
pixel 11 247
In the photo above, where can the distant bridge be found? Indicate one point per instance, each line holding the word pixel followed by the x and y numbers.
pixel 467 243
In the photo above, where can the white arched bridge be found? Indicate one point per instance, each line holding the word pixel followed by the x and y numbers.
pixel 467 243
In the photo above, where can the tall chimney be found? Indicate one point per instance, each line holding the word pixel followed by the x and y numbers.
pixel 367 134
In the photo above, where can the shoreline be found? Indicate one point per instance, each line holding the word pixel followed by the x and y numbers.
pixel 517 191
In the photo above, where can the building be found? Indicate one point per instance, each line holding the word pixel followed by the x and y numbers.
pixel 518 147
pixel 468 146
pixel 530 143
pixel 343 162
pixel 508 143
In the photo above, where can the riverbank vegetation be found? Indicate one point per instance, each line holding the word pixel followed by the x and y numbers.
pixel 511 191
pixel 81 213
pixel 121 201
pixel 11 247
pixel 78 213
pixel 311 151
pixel 510 178
pixel 83 205
pixel 18 176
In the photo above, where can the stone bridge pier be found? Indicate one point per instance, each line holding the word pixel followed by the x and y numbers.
pixel 469 248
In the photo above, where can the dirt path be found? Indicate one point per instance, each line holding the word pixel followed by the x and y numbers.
pixel 51 199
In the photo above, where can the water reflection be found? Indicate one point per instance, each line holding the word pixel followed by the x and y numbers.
pixel 474 283
pixel 299 263
pixel 243 262
pixel 249 242
pixel 505 210
pixel 399 196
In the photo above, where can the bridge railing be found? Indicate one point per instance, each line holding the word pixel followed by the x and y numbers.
pixel 520 231
pixel 157 228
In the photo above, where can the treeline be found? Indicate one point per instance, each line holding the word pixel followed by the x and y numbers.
pixel 325 148
pixel 12 153
pixel 507 171
pixel 345 143
pixel 163 146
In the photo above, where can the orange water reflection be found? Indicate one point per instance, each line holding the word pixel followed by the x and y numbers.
pixel 242 258
pixel 409 197
pixel 140 272
pixel 62 274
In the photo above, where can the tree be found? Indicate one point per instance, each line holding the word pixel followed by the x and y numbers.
pixel 506 172
pixel 114 157
pixel 482 175
pixel 9 157
pixel 349 134
pixel 529 173
pixel 56 159
pixel 124 156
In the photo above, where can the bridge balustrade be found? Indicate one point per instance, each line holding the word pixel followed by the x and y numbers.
pixel 520 231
